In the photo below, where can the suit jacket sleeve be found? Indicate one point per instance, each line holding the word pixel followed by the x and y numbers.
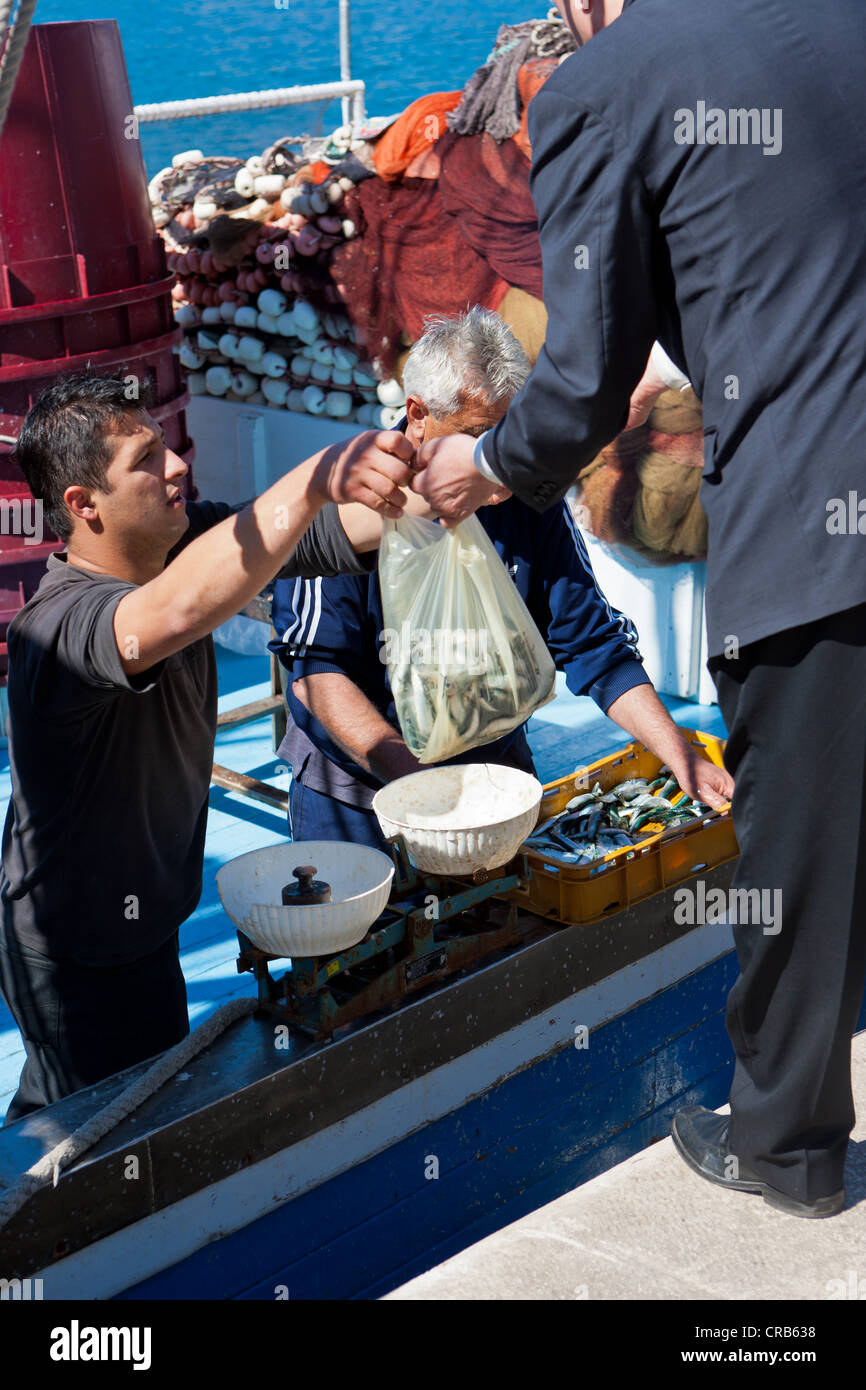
pixel 598 243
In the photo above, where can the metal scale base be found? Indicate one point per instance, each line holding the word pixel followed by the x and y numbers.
pixel 432 927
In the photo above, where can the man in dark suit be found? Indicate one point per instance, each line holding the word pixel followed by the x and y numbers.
pixel 699 172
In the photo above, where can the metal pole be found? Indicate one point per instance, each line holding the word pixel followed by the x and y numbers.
pixel 346 55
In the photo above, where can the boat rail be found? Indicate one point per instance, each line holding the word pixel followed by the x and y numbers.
pixel 351 90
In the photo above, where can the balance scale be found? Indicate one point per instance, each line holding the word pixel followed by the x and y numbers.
pixel 433 926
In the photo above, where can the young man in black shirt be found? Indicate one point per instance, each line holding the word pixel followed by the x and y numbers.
pixel 113 702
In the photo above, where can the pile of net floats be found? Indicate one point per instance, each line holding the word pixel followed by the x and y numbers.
pixel 250 243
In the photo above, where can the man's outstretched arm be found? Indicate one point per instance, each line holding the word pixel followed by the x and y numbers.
pixel 220 571
pixel 641 713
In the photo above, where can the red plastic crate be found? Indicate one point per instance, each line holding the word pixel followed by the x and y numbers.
pixel 73 189
pixel 83 282
pixel 57 332
pixel 20 577
pixel 21 384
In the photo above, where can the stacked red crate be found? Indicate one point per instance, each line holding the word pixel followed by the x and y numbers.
pixel 83 278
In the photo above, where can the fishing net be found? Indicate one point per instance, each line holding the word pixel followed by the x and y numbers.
pixel 176 188
pixel 413 133
pixel 466 230
pixel 409 260
pixel 643 489
pixel 492 100
pixel 439 246
pixel 485 188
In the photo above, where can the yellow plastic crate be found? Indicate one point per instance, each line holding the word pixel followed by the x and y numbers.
pixel 576 893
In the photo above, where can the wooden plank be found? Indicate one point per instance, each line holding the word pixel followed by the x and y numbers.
pixel 247 714
pixel 249 786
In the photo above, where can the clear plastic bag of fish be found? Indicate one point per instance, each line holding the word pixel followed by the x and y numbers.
pixel 466 662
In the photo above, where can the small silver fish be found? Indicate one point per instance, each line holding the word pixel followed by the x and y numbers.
pixel 631 788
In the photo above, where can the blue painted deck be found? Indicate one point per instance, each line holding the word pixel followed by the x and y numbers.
pixel 569 732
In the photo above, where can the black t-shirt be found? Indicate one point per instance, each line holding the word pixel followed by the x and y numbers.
pixel 103 844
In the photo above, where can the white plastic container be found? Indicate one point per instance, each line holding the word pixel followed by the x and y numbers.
pixel 250 888
pixel 666 605
pixel 459 819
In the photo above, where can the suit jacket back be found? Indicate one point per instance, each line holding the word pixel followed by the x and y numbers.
pixel 699 171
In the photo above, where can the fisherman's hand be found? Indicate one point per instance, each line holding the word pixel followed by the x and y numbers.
pixel 703 780
pixel 371 468
pixel 644 397
pixel 449 480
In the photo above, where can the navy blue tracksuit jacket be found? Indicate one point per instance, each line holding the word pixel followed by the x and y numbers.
pixel 334 624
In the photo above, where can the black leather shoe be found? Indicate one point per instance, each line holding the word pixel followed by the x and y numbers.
pixel 701 1137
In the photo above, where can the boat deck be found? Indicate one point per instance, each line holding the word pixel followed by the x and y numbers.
pixel 651 1229
pixel 569 732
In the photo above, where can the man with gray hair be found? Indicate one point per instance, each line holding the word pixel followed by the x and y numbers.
pixel 343 741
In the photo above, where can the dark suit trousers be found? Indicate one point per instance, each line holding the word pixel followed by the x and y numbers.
pixel 796 713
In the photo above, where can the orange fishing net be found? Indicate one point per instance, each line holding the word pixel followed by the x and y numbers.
pixel 413 133
pixel 531 77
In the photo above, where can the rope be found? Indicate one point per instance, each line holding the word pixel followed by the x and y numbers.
pixel 6 11
pixel 69 1149
pixel 246 101
pixel 491 99
pixel 13 51
pixel 6 8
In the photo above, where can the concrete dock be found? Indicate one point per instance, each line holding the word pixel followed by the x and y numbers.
pixel 652 1229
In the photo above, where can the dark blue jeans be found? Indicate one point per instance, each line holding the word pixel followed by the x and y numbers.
pixel 81 1023
pixel 315 816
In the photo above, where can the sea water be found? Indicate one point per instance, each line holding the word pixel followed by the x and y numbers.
pixel 194 48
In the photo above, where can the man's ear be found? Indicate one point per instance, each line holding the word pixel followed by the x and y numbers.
pixel 80 504
pixel 416 414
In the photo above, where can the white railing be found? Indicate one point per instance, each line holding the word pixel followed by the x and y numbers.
pixel 352 92
pixel 350 89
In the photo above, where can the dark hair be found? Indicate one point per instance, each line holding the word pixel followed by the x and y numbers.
pixel 63 439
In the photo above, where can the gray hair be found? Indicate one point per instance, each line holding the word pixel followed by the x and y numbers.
pixel 473 355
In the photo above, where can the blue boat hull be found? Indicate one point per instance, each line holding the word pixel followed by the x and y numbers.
pixel 533 1137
